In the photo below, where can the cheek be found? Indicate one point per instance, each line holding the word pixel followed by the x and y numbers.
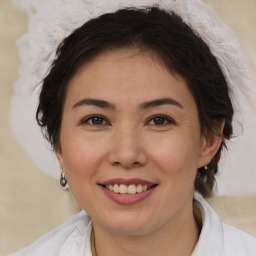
pixel 175 154
pixel 82 155
pixel 82 160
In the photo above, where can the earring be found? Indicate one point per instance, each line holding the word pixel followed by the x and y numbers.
pixel 63 180
pixel 206 167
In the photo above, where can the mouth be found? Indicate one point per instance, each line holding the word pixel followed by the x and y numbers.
pixel 130 189
pixel 128 192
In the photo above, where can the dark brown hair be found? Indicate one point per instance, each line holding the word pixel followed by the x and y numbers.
pixel 149 29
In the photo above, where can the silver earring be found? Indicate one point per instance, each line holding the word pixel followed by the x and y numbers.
pixel 63 180
pixel 206 167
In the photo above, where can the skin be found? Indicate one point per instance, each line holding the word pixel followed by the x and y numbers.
pixel 127 142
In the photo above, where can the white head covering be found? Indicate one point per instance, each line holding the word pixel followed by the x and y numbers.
pixel 50 21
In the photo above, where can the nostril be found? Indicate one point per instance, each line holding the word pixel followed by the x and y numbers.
pixel 135 164
pixel 116 163
pixel 126 159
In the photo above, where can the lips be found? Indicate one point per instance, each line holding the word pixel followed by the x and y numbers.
pixel 127 191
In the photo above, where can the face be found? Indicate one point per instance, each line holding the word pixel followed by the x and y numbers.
pixel 130 126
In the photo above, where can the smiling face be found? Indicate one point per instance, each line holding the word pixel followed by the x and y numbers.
pixel 130 126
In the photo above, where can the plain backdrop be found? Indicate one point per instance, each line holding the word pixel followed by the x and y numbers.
pixel 32 203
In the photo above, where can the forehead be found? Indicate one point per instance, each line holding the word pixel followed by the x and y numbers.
pixel 128 61
pixel 126 73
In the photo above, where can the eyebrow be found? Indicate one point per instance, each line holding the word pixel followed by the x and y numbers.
pixel 94 102
pixel 145 105
pixel 159 102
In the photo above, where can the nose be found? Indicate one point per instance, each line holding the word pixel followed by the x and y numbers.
pixel 127 150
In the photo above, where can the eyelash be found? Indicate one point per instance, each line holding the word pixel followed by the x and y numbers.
pixel 85 121
pixel 167 120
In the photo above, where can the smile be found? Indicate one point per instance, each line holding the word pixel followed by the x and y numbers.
pixel 127 192
pixel 127 189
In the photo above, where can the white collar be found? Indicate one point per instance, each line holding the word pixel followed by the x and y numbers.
pixel 210 242
pixel 78 242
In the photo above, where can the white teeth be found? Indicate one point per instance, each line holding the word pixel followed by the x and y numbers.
pixel 116 188
pixel 139 188
pixel 124 189
pixel 132 189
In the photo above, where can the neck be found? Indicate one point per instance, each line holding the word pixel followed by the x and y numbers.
pixel 177 238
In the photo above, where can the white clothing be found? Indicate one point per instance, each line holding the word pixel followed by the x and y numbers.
pixel 73 238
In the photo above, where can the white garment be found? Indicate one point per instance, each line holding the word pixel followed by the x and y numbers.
pixel 73 238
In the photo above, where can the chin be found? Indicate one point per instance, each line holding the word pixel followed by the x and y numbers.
pixel 126 223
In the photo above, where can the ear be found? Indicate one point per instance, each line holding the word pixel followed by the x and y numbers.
pixel 59 156
pixel 210 143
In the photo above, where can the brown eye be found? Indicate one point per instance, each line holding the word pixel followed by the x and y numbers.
pixel 95 120
pixel 160 120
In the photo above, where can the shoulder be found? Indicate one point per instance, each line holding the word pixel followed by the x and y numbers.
pixel 237 242
pixel 53 243
pixel 218 238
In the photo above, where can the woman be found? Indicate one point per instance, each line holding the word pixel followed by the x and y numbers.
pixel 137 110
